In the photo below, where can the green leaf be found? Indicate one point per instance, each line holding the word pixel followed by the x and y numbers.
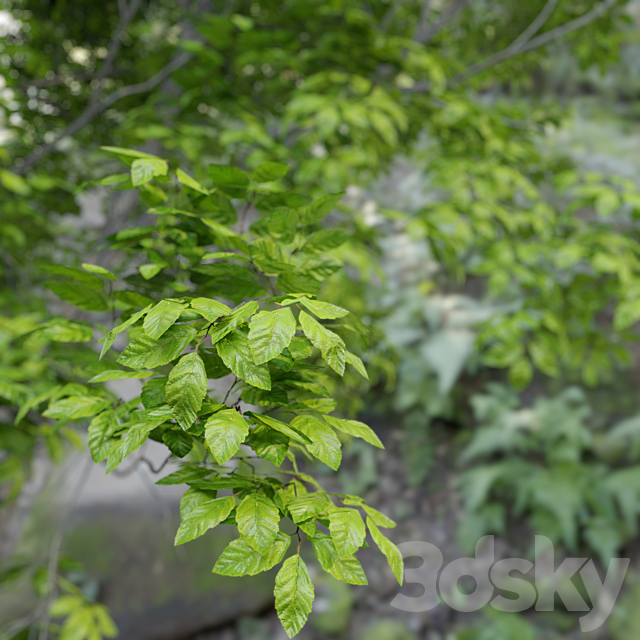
pixel 178 442
pixel 184 474
pixel 307 506
pixel 270 171
pixel 120 374
pixel 325 444
pixel 60 330
pixel 161 317
pixel 378 518
pixel 233 320
pixel 300 348
pixel 282 223
pixel 231 180
pixel 14 183
pixel 282 427
pixel 347 530
pixel 355 429
pixel 258 521
pixel 100 271
pixel 325 240
pixel 136 435
pixel 148 271
pixel 146 352
pixel 121 151
pixel 152 394
pixel 99 439
pixel 269 444
pixel 224 432
pixel 79 296
pixel 188 181
pixel 145 169
pixel 330 344
pixel 186 388
pixel 269 333
pixel 323 310
pixel 204 513
pixel 347 569
pixel 75 407
pixel 111 336
pixel 392 553
pixel 319 208
pixel 294 595
pixel 235 352
pixel 357 363
pixel 210 309
pixel 240 559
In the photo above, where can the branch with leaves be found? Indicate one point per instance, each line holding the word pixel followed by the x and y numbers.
pixel 269 341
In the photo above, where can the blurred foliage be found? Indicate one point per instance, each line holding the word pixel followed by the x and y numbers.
pixel 501 255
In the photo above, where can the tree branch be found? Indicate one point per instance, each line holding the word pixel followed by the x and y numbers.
pixel 95 108
pixel 528 44
pixel 421 29
pixel 444 19
pixel 388 17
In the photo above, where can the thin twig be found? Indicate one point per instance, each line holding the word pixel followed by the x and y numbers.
pixel 442 22
pixel 535 43
pixel 229 390
pixel 96 109
pixel 422 22
pixel 56 546
pixel 388 17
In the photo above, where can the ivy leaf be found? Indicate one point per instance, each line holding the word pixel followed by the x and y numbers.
pixel 224 432
pixel 294 595
pixel 76 407
pixel 179 443
pixel 145 169
pixel 186 388
pixel 240 559
pixel 258 521
pixel 355 429
pixel 347 530
pixel 147 352
pixel 308 506
pixel 347 569
pixel 323 310
pixel 204 514
pixel 325 444
pixel 270 171
pixel 282 427
pixel 235 352
pixel 269 444
pixel 210 309
pixel 392 553
pixel 330 344
pixel 161 317
pixel 270 332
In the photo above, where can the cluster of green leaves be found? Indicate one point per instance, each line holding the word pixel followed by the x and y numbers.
pixel 178 344
pixel 576 485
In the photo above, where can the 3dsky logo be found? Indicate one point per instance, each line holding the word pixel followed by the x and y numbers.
pixel 546 582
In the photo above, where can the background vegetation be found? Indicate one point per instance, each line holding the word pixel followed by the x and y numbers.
pixel 486 245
